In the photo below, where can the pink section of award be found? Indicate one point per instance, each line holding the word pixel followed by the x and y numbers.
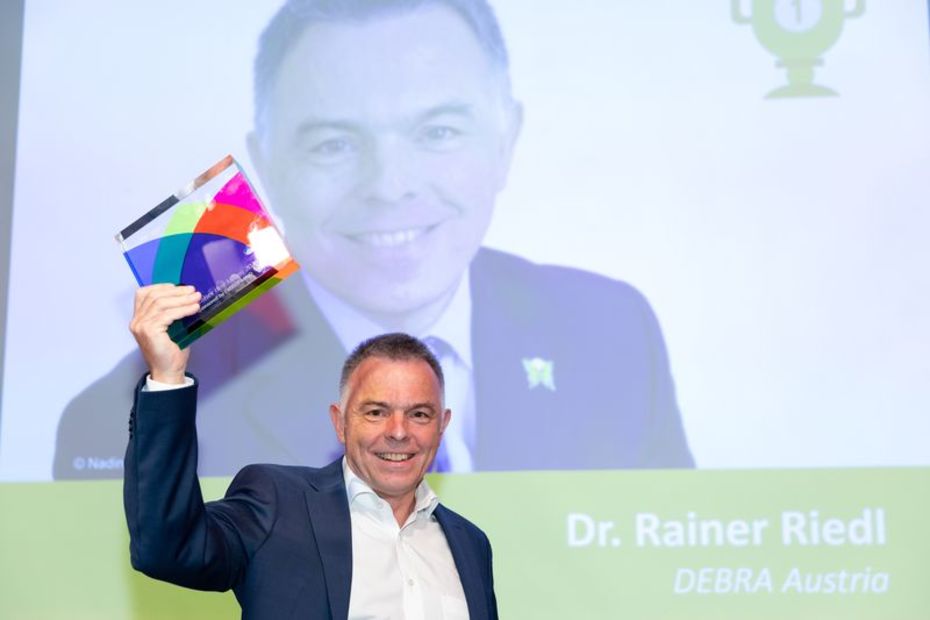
pixel 238 193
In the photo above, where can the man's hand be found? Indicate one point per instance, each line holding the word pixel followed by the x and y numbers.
pixel 157 307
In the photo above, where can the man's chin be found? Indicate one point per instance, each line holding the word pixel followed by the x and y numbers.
pixel 391 298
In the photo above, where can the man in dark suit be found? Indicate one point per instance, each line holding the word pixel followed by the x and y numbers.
pixel 362 537
pixel 383 134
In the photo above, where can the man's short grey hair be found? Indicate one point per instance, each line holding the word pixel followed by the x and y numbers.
pixel 288 24
pixel 397 347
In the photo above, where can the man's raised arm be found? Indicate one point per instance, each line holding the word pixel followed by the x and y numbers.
pixel 173 535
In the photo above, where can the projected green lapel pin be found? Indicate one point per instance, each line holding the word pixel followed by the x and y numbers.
pixel 539 372
pixel 798 32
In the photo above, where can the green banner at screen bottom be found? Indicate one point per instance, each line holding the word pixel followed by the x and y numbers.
pixel 828 543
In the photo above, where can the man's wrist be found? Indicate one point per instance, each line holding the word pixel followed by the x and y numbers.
pixel 168 376
pixel 152 385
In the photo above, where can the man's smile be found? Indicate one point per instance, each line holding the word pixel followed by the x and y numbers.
pixel 391 239
pixel 394 457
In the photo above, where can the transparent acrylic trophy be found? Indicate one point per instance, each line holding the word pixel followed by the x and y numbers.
pixel 215 235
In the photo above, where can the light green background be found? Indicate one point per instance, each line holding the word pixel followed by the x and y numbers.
pixel 65 546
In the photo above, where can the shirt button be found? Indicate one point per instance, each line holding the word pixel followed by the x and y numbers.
pixel 410 582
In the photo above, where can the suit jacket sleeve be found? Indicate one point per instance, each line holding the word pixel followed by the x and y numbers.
pixel 174 535
pixel 493 602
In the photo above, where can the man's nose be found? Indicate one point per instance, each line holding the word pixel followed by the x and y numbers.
pixel 391 176
pixel 397 426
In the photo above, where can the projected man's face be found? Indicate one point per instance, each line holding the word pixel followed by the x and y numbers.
pixel 387 143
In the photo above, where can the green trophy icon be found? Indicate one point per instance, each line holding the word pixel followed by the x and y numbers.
pixel 798 32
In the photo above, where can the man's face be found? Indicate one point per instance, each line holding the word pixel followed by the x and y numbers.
pixel 391 420
pixel 387 142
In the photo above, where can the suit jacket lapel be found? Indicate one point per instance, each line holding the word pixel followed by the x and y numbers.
pixel 466 563
pixel 328 508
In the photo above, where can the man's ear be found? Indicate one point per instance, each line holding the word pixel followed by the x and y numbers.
pixel 261 166
pixel 446 418
pixel 339 422
pixel 257 157
pixel 510 132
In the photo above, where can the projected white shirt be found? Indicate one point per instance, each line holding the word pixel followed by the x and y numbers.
pixel 454 329
pixel 400 571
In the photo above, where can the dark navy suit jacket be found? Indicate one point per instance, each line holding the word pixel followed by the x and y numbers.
pixel 268 376
pixel 281 538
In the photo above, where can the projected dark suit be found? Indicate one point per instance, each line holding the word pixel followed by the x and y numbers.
pixel 266 383
pixel 281 539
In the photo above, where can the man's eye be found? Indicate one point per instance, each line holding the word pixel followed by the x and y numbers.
pixel 331 148
pixel 421 416
pixel 375 413
pixel 334 150
pixel 439 136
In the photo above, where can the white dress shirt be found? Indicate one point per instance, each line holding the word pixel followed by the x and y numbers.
pixel 454 328
pixel 400 573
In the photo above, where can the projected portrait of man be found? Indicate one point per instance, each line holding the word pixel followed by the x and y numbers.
pixel 384 131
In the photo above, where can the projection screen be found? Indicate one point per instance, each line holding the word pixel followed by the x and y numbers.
pixel 686 259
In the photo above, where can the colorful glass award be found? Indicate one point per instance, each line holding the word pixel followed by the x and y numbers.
pixel 215 235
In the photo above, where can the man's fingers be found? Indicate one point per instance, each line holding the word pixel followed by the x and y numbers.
pixel 147 294
pixel 156 291
pixel 160 290
pixel 165 313
pixel 159 305
pixel 165 317
pixel 161 297
pixel 156 308
pixel 168 304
